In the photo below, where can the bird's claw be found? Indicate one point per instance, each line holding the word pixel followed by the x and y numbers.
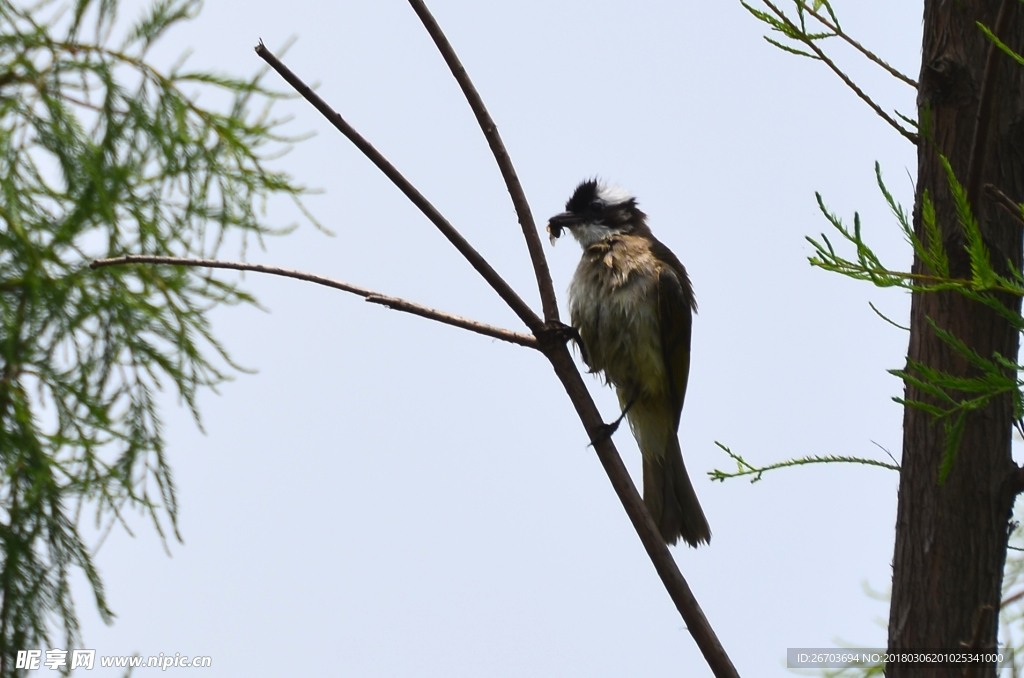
pixel 559 330
pixel 606 431
pixel 556 332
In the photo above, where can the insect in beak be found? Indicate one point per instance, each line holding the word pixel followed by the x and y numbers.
pixel 560 222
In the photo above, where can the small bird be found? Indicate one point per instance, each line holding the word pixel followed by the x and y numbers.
pixel 632 305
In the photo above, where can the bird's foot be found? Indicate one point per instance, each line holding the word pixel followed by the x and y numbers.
pixel 606 431
pixel 555 331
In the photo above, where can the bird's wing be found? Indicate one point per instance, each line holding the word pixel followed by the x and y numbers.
pixel 676 320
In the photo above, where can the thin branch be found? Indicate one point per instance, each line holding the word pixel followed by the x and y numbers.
pixel 561 361
pixel 913 138
pixel 979 144
pixel 1006 202
pixel 888 453
pixel 476 260
pixel 696 623
pixel 745 468
pixel 548 299
pixel 370 296
pixel 860 48
pixel 887 318
pixel 1012 599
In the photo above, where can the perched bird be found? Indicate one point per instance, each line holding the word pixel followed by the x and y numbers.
pixel 632 304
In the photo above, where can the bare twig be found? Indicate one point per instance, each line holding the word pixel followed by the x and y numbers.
pixel 1012 599
pixel 859 47
pixel 475 259
pixel 1006 202
pixel 515 188
pixel 913 138
pixel 370 296
pixel 979 144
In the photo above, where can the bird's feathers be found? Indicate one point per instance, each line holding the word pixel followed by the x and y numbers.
pixel 675 320
pixel 632 304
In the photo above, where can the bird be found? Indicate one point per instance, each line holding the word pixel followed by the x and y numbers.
pixel 631 307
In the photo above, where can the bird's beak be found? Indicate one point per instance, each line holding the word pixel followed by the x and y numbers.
pixel 562 221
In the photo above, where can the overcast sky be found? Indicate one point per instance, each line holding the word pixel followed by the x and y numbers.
pixel 386 496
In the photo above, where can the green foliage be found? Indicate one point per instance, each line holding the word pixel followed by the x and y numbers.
pixel 744 468
pixel 103 155
pixel 952 397
pixel 794 31
pixel 1000 44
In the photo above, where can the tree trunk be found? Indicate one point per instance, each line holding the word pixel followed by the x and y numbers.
pixel 951 538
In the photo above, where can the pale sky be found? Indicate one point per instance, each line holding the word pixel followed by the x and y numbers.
pixel 387 496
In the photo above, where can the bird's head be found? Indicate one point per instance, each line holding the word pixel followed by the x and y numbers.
pixel 596 211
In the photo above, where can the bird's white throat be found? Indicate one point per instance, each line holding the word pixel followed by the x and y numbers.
pixel 588 234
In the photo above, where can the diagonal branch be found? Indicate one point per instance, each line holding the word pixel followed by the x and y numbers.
pixel 913 138
pixel 859 47
pixel 696 623
pixel 370 296
pixel 515 188
pixel 475 259
pixel 554 348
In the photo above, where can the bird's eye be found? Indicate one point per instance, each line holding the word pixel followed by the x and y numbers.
pixel 595 207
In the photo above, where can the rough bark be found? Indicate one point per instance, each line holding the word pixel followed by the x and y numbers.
pixel 951 538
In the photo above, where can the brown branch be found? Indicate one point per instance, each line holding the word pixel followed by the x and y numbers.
pixel 548 299
pixel 555 349
pixel 696 623
pixel 1006 202
pixel 370 296
pixel 566 370
pixel 475 259
pixel 860 48
pixel 913 138
pixel 979 144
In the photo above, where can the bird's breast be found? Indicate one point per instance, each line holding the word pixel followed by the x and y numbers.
pixel 613 303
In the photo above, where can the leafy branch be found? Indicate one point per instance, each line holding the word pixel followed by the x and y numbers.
pixel 984 281
pixel 796 31
pixel 745 468
pixel 951 397
pixel 91 166
pixel 549 334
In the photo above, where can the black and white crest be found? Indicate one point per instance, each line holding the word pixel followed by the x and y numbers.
pixel 596 211
pixel 593 196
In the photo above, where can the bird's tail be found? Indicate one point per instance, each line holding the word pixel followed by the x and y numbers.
pixel 669 496
pixel 668 493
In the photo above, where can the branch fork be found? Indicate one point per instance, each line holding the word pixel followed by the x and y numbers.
pixel 549 334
